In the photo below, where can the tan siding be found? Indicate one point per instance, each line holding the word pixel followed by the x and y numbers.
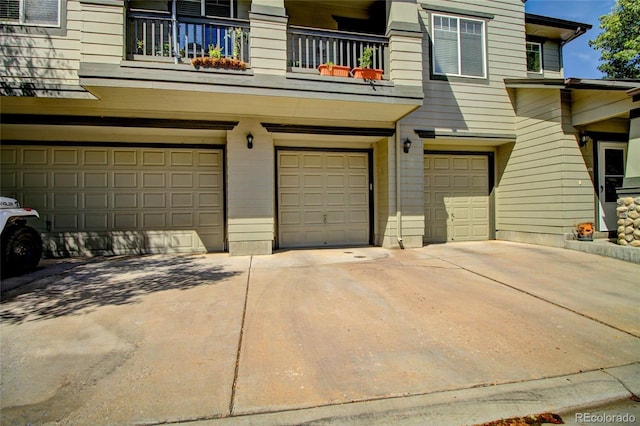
pixel 42 59
pixel 479 106
pixel 250 187
pixel 103 33
pixel 268 47
pixel 545 186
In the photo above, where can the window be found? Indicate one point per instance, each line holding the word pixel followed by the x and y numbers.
pixel 223 8
pixel 31 12
pixel 534 57
pixel 458 46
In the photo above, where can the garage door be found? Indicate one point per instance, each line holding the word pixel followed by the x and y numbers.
pixel 456 197
pixel 323 198
pixel 174 195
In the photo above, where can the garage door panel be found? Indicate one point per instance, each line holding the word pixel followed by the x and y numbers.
pixel 154 220
pixel 96 221
pixel 333 190
pixel 335 161
pixel 34 156
pixel 358 162
pixel 154 200
pixel 95 157
pixel 153 158
pixel 181 180
pixel 312 199
pixel 124 220
pixel 335 199
pixel 65 157
pixel 126 158
pixel 209 180
pixel 153 180
pixel 313 180
pixel 209 159
pixel 456 197
pixel 290 218
pixel 125 200
pixel 182 200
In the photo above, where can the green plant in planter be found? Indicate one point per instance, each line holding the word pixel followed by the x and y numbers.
pixel 215 52
pixel 366 60
pixel 329 64
pixel 140 45
pixel 237 36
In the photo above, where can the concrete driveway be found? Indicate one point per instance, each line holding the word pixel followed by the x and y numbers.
pixel 167 338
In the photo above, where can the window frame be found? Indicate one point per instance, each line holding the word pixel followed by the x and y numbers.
pixel 21 19
pixel 530 42
pixel 458 18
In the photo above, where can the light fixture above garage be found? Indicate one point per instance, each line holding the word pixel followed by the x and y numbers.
pixel 406 145
pixel 249 141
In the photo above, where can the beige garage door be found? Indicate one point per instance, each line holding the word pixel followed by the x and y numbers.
pixel 103 197
pixel 323 198
pixel 456 201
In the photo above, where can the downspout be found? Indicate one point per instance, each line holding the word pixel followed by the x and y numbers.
pixel 398 190
pixel 174 30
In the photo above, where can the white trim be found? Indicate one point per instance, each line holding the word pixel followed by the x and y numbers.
pixel 21 20
pixel 541 71
pixel 459 32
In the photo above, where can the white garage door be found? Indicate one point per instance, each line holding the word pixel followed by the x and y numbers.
pixel 173 197
pixel 456 201
pixel 323 198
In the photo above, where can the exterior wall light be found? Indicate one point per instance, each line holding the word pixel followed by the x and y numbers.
pixel 584 139
pixel 406 145
pixel 249 141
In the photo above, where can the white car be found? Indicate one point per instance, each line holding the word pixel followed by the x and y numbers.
pixel 21 245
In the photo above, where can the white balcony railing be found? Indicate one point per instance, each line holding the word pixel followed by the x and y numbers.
pixel 310 47
pixel 150 36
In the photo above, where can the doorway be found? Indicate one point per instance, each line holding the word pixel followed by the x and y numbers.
pixel 612 157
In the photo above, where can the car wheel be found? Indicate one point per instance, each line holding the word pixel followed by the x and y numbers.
pixel 21 250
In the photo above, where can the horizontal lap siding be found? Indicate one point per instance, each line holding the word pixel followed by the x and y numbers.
pixel 92 33
pixel 103 33
pixel 43 59
pixel 545 187
pixel 476 105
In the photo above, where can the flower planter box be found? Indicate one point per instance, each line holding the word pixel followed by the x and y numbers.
pixel 368 73
pixel 334 70
pixel 224 63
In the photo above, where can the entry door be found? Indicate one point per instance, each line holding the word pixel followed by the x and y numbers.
pixel 612 158
pixel 323 198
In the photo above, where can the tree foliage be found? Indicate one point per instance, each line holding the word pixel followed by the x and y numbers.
pixel 619 42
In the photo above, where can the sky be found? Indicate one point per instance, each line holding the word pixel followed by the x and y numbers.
pixel 580 60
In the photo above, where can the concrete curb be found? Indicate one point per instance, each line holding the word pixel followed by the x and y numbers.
pixel 606 248
pixel 465 406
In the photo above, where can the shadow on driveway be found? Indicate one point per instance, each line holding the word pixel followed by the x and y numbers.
pixel 107 281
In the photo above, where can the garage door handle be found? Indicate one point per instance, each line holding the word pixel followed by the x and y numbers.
pixel 324 219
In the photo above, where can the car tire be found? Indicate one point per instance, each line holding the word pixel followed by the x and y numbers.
pixel 21 250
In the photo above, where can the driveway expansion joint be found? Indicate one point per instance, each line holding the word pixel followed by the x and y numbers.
pixel 244 316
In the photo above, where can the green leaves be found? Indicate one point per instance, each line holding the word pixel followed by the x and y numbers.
pixel 619 42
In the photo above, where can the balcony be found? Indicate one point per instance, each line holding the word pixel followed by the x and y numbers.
pixel 311 47
pixel 281 49
pixel 150 37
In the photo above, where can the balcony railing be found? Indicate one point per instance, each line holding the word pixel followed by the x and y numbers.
pixel 150 36
pixel 310 47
